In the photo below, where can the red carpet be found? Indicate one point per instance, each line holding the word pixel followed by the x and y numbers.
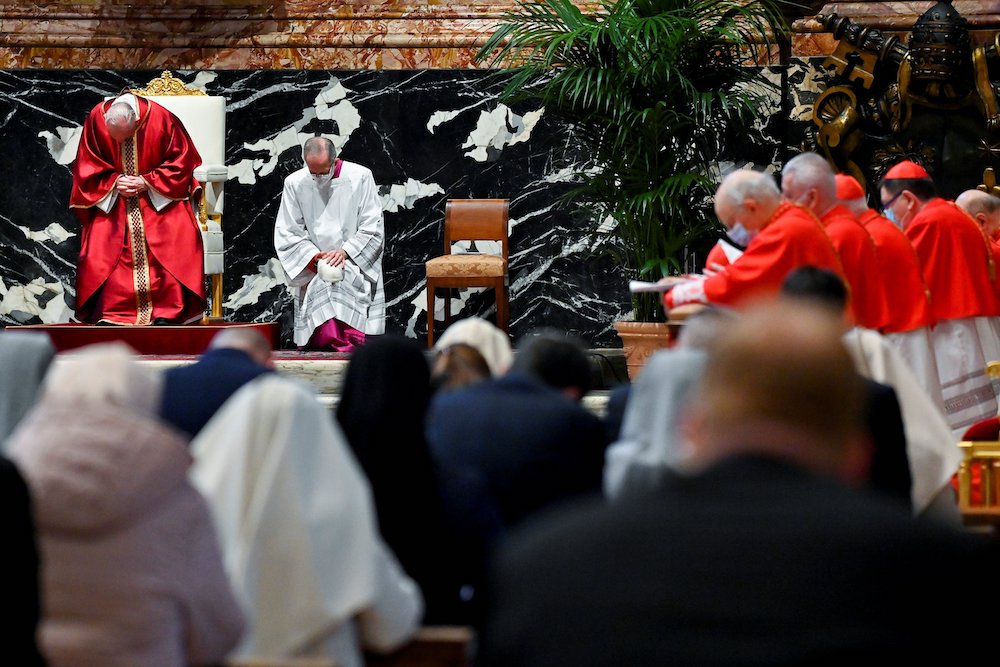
pixel 191 339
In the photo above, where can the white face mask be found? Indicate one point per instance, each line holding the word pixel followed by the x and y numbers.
pixel 322 179
pixel 891 217
pixel 740 235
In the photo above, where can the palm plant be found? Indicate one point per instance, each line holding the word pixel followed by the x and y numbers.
pixel 651 87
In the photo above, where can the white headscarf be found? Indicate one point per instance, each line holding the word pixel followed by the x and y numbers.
pixel 650 439
pixel 294 516
pixel 104 374
pixel 490 340
pixel 24 360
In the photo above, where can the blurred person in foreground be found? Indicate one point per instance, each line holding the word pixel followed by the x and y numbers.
pixel 488 339
pixel 764 552
pixel 132 571
pixel 383 404
pixel 457 365
pixel 192 393
pixel 650 440
pixel 21 605
pixel 24 359
pixel 531 442
pixel 298 530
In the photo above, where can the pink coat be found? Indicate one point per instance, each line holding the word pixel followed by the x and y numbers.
pixel 131 569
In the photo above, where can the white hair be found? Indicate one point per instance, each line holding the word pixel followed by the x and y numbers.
pixel 104 374
pixel 812 171
pixel 120 113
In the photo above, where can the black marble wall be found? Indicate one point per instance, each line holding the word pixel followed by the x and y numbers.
pixel 427 135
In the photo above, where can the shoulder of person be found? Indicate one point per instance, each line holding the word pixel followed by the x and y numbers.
pixel 355 170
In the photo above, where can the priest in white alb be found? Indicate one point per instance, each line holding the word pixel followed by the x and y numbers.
pixel 329 236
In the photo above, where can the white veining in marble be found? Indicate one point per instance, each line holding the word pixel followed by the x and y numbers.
pixel 405 195
pixel 63 143
pixel 22 302
pixel 269 276
pixel 330 104
pixel 498 129
pixel 54 232
pixel 804 94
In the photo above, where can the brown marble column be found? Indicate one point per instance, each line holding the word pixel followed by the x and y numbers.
pixel 810 38
pixel 245 34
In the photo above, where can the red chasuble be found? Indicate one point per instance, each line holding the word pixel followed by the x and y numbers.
pixel 792 238
pixel 858 257
pixel 137 264
pixel 955 258
pixel 905 289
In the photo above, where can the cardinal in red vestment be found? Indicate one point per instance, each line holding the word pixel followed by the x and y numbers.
pixel 141 257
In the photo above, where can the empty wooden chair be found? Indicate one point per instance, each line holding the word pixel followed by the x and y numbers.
pixel 470 220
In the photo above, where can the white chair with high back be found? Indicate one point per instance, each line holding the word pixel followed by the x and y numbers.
pixel 204 118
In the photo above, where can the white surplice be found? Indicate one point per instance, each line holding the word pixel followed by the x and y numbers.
pixel 930 445
pixel 345 212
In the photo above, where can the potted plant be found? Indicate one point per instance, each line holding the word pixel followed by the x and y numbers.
pixel 652 88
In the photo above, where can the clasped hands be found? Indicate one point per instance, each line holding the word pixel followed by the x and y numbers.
pixel 336 257
pixel 130 186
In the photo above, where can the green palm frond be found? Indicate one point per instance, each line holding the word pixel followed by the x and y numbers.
pixel 649 87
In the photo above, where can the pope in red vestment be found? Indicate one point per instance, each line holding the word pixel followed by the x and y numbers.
pixel 141 258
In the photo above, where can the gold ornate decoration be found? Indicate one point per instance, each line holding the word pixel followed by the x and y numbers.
pixel 137 239
pixel 989 186
pixel 888 100
pixel 835 114
pixel 166 84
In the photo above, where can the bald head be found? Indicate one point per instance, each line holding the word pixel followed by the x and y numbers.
pixel 746 197
pixel 779 382
pixel 319 154
pixel 984 209
pixel 120 120
pixel 248 340
pixel 809 180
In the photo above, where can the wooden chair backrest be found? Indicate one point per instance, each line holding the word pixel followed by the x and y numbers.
pixel 476 220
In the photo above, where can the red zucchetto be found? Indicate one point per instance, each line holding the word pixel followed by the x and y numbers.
pixel 848 188
pixel 906 169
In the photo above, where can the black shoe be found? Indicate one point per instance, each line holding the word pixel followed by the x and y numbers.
pixel 105 323
pixel 161 321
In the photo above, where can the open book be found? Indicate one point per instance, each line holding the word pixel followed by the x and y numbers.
pixel 665 286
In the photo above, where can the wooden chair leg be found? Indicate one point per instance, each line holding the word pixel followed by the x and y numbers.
pixel 503 308
pixel 430 316
pixel 447 306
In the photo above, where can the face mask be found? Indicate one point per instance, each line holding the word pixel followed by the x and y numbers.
pixel 322 179
pixel 891 217
pixel 739 235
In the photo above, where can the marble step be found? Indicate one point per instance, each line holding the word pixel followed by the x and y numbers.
pixel 327 375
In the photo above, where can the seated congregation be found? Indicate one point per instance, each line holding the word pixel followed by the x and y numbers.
pixel 777 488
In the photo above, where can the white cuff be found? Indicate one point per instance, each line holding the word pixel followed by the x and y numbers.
pixel 108 201
pixel 689 292
pixel 155 198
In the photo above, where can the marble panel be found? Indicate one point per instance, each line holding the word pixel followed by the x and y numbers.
pixel 427 135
